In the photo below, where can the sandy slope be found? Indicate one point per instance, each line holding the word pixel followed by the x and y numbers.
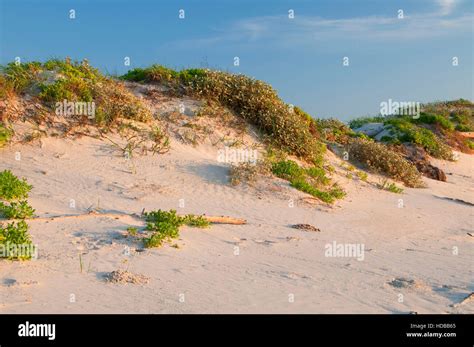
pixel 275 263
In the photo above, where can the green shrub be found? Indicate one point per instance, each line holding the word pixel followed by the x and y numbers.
pixel 434 119
pixel 287 169
pixel 15 242
pixel 75 81
pixel 16 210
pixel 13 188
pixel 383 160
pixel 136 75
pixel 459 127
pixel 20 76
pixel 405 131
pixel 165 225
pixel 333 130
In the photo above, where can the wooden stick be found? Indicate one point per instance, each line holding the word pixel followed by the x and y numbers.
pixel 469 134
pixel 211 219
pixel 224 220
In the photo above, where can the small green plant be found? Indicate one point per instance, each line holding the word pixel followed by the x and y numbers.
pixel 16 210
pixel 325 196
pixel 362 175
pixel 13 188
pixel 389 186
pixel 15 242
pixel 5 135
pixel 165 225
pixel 132 231
pixel 81 264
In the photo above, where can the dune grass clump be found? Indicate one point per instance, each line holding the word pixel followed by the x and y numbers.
pixel 389 186
pixel 251 99
pixel 248 172
pixel 165 225
pixel 326 196
pixel 312 180
pixel 380 158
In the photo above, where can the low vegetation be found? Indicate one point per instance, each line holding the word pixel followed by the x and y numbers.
pixel 5 134
pixel 16 210
pixel 13 188
pixel 253 100
pixel 312 181
pixel 437 128
pixel 380 158
pixel 389 186
pixel 165 225
pixel 406 131
pixel 15 241
pixel 58 80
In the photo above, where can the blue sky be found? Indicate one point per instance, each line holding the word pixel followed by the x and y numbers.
pixel 407 59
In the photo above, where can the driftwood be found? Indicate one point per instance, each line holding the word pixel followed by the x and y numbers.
pixel 468 134
pixel 210 219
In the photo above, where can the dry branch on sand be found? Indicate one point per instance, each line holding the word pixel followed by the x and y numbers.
pixel 210 219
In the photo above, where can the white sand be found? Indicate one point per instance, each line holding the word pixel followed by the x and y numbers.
pixel 275 263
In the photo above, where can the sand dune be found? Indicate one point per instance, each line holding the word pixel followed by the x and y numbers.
pixel 417 257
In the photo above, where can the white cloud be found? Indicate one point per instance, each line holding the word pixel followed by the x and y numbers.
pixel 446 6
pixel 281 30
